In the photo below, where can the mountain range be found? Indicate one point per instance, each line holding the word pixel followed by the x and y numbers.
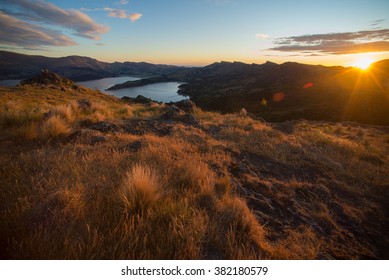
pixel 275 92
pixel 77 68
pixel 279 92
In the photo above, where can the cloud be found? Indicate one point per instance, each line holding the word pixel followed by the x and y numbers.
pixel 135 16
pixel 377 22
pixel 14 32
pixel 45 12
pixel 118 13
pixel 336 43
pixel 262 36
pixel 123 2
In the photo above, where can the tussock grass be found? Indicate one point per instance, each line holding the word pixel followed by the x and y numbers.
pixel 66 112
pixel 54 127
pixel 141 188
pixel 195 176
pixel 14 115
pixel 244 236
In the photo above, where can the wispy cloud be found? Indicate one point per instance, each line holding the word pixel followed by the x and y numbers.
pixel 35 25
pixel 377 22
pixel 119 13
pixel 262 36
pixel 336 43
pixel 123 2
pixel 15 32
pixel 135 16
pixel 45 12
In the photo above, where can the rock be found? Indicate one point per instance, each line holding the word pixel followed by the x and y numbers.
pixel 214 129
pixel 176 114
pixel 97 139
pixel 186 105
pixel 106 127
pixel 84 104
pixel 135 146
pixel 78 134
pixel 86 136
pixel 189 119
pixel 173 113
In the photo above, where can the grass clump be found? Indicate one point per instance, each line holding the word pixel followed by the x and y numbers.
pixel 64 111
pixel 244 236
pixel 141 188
pixel 54 127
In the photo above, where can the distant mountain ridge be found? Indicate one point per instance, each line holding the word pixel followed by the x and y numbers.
pixel 77 68
pixel 279 92
pixel 275 92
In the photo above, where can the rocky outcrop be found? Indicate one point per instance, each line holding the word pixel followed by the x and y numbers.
pixel 173 113
pixel 105 127
pixel 186 105
pixel 84 104
pixel 48 78
pixel 86 136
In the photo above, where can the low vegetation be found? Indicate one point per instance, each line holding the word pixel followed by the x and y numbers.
pixel 86 176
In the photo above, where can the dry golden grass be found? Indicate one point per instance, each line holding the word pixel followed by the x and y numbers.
pixel 141 188
pixel 300 243
pixel 13 114
pixel 233 188
pixel 244 237
pixel 54 127
pixel 66 112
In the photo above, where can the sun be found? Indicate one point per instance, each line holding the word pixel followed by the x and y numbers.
pixel 363 63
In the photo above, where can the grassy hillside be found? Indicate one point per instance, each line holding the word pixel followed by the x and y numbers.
pixel 86 176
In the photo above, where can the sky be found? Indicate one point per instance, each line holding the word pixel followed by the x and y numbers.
pixel 199 32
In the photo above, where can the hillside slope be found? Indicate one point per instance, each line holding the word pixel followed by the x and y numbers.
pixel 293 91
pixel 87 176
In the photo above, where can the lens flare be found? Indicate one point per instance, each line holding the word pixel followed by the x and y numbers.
pixel 308 85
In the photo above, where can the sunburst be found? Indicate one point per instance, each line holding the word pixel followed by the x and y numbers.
pixel 363 63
